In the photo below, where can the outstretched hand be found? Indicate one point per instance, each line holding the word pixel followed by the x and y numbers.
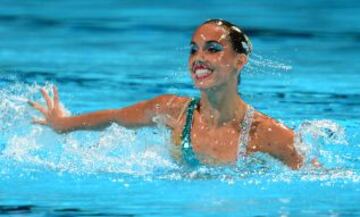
pixel 53 112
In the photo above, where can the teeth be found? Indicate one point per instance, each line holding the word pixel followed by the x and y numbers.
pixel 201 72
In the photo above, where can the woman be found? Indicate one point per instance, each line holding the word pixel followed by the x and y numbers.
pixel 218 128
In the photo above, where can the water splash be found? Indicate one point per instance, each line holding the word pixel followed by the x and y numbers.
pixel 12 104
pixel 115 150
pixel 145 153
pixel 260 63
pixel 313 138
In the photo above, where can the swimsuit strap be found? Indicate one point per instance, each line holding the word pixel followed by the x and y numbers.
pixel 245 131
pixel 186 147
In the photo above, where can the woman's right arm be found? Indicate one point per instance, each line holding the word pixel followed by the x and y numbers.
pixel 137 115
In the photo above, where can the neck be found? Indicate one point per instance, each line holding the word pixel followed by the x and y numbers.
pixel 221 105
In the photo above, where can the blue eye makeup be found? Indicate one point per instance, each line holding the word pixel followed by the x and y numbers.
pixel 214 47
pixel 193 48
pixel 210 46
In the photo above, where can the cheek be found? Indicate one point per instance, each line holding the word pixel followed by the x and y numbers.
pixel 217 59
pixel 220 57
pixel 190 62
pixel 228 61
pixel 191 57
pixel 223 62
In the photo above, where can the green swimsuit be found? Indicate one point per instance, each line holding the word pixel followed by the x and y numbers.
pixel 188 153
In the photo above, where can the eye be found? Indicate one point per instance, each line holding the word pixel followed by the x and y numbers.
pixel 193 49
pixel 215 47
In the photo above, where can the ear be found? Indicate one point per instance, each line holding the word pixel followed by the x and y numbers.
pixel 241 61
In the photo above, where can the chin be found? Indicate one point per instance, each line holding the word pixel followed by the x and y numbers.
pixel 210 85
pixel 202 85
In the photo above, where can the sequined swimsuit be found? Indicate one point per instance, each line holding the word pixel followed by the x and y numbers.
pixel 188 153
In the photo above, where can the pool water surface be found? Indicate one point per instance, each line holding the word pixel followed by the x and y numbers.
pixel 110 54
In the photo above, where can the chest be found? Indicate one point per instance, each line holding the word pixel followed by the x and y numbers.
pixel 211 145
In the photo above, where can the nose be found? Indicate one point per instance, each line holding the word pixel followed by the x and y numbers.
pixel 199 56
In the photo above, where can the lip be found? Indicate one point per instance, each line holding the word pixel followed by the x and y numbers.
pixel 197 66
pixel 201 66
pixel 202 77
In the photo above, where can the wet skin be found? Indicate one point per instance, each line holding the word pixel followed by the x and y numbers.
pixel 214 67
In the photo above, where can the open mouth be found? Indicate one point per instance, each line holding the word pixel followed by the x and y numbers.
pixel 201 71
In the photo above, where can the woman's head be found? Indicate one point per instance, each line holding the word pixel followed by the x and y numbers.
pixel 219 50
pixel 239 40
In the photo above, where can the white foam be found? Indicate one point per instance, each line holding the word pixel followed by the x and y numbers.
pixel 145 152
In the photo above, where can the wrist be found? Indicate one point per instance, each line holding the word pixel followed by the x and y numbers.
pixel 59 124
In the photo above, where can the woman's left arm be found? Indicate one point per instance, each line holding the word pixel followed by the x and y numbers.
pixel 279 141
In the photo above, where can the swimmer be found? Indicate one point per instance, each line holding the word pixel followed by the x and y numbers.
pixel 217 128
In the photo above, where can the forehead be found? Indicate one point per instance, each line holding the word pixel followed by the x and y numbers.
pixel 210 32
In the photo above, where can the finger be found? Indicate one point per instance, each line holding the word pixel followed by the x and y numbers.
pixel 315 163
pixel 47 98
pixel 38 107
pixel 39 121
pixel 56 97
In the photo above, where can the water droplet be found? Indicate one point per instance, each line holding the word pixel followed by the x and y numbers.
pixel 223 36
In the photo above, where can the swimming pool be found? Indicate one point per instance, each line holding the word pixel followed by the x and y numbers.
pixel 109 54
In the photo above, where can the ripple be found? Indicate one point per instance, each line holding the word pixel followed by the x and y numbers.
pixel 16 209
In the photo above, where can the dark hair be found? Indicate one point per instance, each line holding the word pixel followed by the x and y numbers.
pixel 239 40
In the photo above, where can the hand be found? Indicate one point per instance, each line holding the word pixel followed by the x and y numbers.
pixel 53 114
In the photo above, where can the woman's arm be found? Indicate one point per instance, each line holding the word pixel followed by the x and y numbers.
pixel 137 115
pixel 278 141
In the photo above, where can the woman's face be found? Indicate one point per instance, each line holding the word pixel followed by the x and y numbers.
pixel 213 61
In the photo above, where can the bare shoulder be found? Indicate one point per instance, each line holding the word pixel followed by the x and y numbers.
pixel 272 137
pixel 172 107
pixel 171 100
pixel 169 103
pixel 270 129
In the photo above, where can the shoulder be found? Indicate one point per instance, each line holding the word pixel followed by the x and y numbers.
pixel 163 104
pixel 171 100
pixel 269 135
pixel 276 139
pixel 168 102
pixel 270 129
pixel 172 107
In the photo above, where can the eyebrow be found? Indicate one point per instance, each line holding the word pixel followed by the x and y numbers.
pixel 207 42
pixel 212 41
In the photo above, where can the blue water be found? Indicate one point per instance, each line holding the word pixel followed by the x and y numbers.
pixel 109 54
